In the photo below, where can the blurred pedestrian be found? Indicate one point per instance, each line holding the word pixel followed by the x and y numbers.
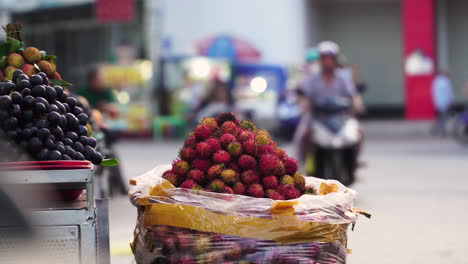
pixel 215 102
pixel 442 96
pixel 98 95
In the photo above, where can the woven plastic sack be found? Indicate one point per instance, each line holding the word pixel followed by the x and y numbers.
pixel 177 225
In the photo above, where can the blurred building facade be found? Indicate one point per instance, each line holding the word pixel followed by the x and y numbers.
pixel 398 45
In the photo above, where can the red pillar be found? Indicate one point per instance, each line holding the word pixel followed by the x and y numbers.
pixel 418 34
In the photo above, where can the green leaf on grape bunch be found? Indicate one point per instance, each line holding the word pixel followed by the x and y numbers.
pixel 60 82
pixel 109 162
pixel 4 49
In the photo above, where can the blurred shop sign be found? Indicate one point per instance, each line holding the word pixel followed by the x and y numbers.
pixel 417 63
pixel 28 5
pixel 110 11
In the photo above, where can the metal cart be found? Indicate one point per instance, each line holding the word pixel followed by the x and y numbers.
pixel 68 232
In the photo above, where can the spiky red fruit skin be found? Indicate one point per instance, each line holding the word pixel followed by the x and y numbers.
pixel 172 178
pixel 224 117
pixel 233 166
pixel 204 150
pixel 250 177
pixel 290 165
pixel 280 152
pixel 270 182
pixel 291 193
pixel 269 164
pixel 202 132
pixel 247 162
pixel 299 181
pixel 187 154
pixel 239 188
pixel 214 144
pixel 209 122
pixel 180 167
pixel 217 186
pixel 186 260
pixel 266 149
pixel 185 241
pixel 234 149
pixel 250 147
pixel 201 164
pixel 188 184
pixel 274 195
pixel 229 127
pixel 190 140
pixel 245 135
pixel 229 177
pixel 214 172
pixel 255 190
pixel 281 170
pixel 228 190
pixel 221 157
pixel 197 175
pixel 226 139
pixel 283 187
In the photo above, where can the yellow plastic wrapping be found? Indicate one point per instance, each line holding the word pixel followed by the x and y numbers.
pixel 176 225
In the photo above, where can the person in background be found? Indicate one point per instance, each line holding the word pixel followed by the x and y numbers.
pixel 98 95
pixel 442 96
pixel 215 102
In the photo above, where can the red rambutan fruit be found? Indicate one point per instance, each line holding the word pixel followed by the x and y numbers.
pixel 248 125
pixel 239 188
pixel 226 139
pixel 270 182
pixel 247 162
pixel 229 127
pixel 291 193
pixel 180 167
pixel 280 152
pixel 187 153
pixel 250 147
pixel 250 177
pixel 209 122
pixel 266 149
pixel 287 179
pixel 214 171
pixel 274 195
pixel 197 175
pixel 214 144
pixel 234 149
pixel 190 140
pixel 255 190
pixel 233 166
pixel 262 137
pixel 269 164
pixel 217 186
pixel 229 177
pixel 299 181
pixel 228 190
pixel 172 178
pixel 201 164
pixel 283 187
pixel 224 117
pixel 204 150
pixel 290 165
pixel 188 184
pixel 245 135
pixel 222 157
pixel 310 190
pixel 202 132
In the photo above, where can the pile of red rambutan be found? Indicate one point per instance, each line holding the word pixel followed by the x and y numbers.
pixel 225 155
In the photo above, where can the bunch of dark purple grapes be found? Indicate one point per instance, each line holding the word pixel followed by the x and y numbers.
pixel 41 121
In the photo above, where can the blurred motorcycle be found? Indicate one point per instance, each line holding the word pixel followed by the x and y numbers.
pixel 335 140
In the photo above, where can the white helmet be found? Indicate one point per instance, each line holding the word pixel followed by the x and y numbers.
pixel 328 48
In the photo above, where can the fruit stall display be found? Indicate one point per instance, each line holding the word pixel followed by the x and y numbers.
pixel 234 196
pixel 38 118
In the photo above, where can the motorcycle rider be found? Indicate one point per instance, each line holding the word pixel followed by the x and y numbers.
pixel 330 84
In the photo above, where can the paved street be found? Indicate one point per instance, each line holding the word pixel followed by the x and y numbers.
pixel 415 188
